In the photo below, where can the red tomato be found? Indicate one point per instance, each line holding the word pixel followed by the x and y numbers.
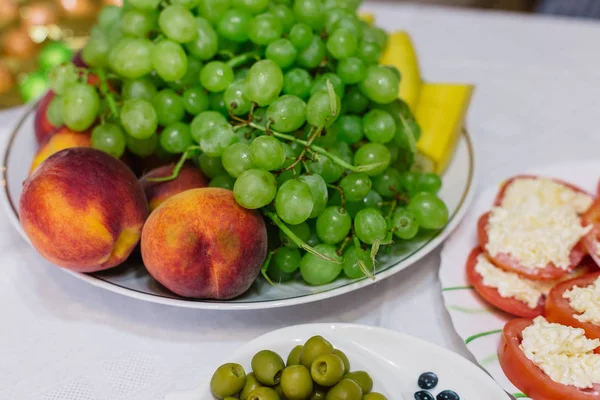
pixel 591 241
pixel 509 263
pixel 506 184
pixel 491 295
pixel 559 310
pixel 526 376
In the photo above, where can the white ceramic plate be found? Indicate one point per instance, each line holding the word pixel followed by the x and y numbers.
pixel 131 279
pixel 393 360
pixel 475 321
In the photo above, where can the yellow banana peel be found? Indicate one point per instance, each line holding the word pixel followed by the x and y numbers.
pixel 401 54
pixel 441 113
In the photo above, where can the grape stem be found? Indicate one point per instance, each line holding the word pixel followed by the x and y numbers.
pixel 265 267
pixel 311 138
pixel 320 150
pixel 110 100
pixel 361 263
pixel 344 244
pixel 178 166
pixel 339 189
pixel 409 134
pixel 236 61
pixel 297 241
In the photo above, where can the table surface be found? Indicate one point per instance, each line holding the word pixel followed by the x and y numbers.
pixel 536 103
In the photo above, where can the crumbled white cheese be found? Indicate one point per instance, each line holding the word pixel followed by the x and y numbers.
pixel 511 285
pixel 586 301
pixel 563 353
pixel 546 192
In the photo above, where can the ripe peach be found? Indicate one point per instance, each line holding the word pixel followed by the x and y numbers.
pixel 189 177
pixel 83 210
pixel 41 125
pixel 63 138
pixel 202 244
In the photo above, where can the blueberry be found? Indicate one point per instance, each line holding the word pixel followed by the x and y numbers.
pixel 428 380
pixel 423 395
pixel 447 395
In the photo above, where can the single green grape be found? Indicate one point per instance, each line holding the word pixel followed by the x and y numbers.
pixel 176 138
pixel 356 186
pixel 351 70
pixel 302 231
pixel 287 259
pixel 138 23
pixel 216 101
pixel 320 84
pixel 297 82
pixel 255 188
pixel 80 106
pixel 388 183
pixel 54 111
pixel 354 101
pixel 169 60
pixel 236 159
pixel 311 56
pixel 327 169
pixel 216 76
pixel 267 153
pixel 333 16
pixel 309 12
pixel 429 182
pixel 62 76
pixel 284 14
pixel 222 181
pixel 204 121
pixel 373 153
pixel 379 126
pixel 404 224
pixel 369 225
pixel 252 6
pixel 320 111
pixel 316 271
pixel 206 44
pixel 235 98
pixel 342 44
pixel 348 128
pixel 142 147
pixel 301 35
pixel 215 140
pixel 169 107
pixel 95 52
pixel 234 25
pixel 349 23
pixel 195 100
pixel 139 118
pixel 287 113
pixel 144 4
pixel 429 210
pixel 264 82
pixel 141 88
pixel 264 29
pixel 178 23
pixel 189 4
pixel 282 52
pixel 333 225
pixel 109 15
pixel 369 52
pixel 376 35
pixel 211 166
pixel 318 189
pixel 213 10
pixel 109 138
pixel 409 181
pixel 351 268
pixel 380 85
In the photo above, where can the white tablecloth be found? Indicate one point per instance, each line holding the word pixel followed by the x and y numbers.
pixel 538 91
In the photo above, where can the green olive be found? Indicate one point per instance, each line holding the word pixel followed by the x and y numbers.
pixel 227 380
pixel 374 396
pixel 327 370
pixel 294 357
pixel 264 393
pixel 229 398
pixel 345 390
pixel 344 358
pixel 251 384
pixel 362 378
pixel 314 347
pixel 279 391
pixel 267 366
pixel 296 382
pixel 318 393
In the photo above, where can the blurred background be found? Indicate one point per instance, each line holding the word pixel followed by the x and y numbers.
pixel 35 35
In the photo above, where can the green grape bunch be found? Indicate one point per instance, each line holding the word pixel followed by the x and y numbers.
pixel 283 102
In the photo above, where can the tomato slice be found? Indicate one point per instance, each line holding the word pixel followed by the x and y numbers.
pixel 507 183
pixel 591 241
pixel 491 295
pixel 559 310
pixel 526 376
pixel 510 263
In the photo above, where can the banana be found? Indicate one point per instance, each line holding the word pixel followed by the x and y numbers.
pixel 441 113
pixel 401 54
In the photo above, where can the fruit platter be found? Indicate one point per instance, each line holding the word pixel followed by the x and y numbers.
pixel 343 361
pixel 245 155
pixel 526 304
